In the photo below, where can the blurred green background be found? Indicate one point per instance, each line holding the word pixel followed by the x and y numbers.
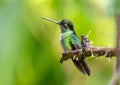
pixel 30 49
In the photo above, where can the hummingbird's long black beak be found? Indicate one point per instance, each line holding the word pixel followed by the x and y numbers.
pixel 50 20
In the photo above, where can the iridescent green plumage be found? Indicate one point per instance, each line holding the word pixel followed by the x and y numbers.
pixel 68 37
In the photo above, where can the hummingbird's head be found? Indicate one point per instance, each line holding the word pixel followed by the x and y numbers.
pixel 66 25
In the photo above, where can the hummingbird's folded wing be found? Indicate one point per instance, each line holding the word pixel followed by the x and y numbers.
pixel 80 63
pixel 85 66
pixel 78 66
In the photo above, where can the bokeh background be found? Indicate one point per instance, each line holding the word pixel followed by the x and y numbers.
pixel 30 49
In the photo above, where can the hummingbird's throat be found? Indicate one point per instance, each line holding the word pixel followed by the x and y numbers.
pixel 64 29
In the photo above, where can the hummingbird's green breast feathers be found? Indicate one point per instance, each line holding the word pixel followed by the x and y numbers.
pixel 65 38
pixel 69 38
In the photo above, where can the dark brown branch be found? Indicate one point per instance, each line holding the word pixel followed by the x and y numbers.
pixel 89 51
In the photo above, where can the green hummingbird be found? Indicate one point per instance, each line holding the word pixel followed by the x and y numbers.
pixel 70 41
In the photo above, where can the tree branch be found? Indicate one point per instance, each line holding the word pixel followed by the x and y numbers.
pixel 88 50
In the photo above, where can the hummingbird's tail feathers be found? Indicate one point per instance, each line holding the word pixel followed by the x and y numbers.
pixel 85 66
pixel 78 66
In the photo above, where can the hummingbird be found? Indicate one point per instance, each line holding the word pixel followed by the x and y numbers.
pixel 69 41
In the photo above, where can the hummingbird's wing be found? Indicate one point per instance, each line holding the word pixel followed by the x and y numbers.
pixel 79 63
pixel 78 66
pixel 76 62
pixel 85 66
